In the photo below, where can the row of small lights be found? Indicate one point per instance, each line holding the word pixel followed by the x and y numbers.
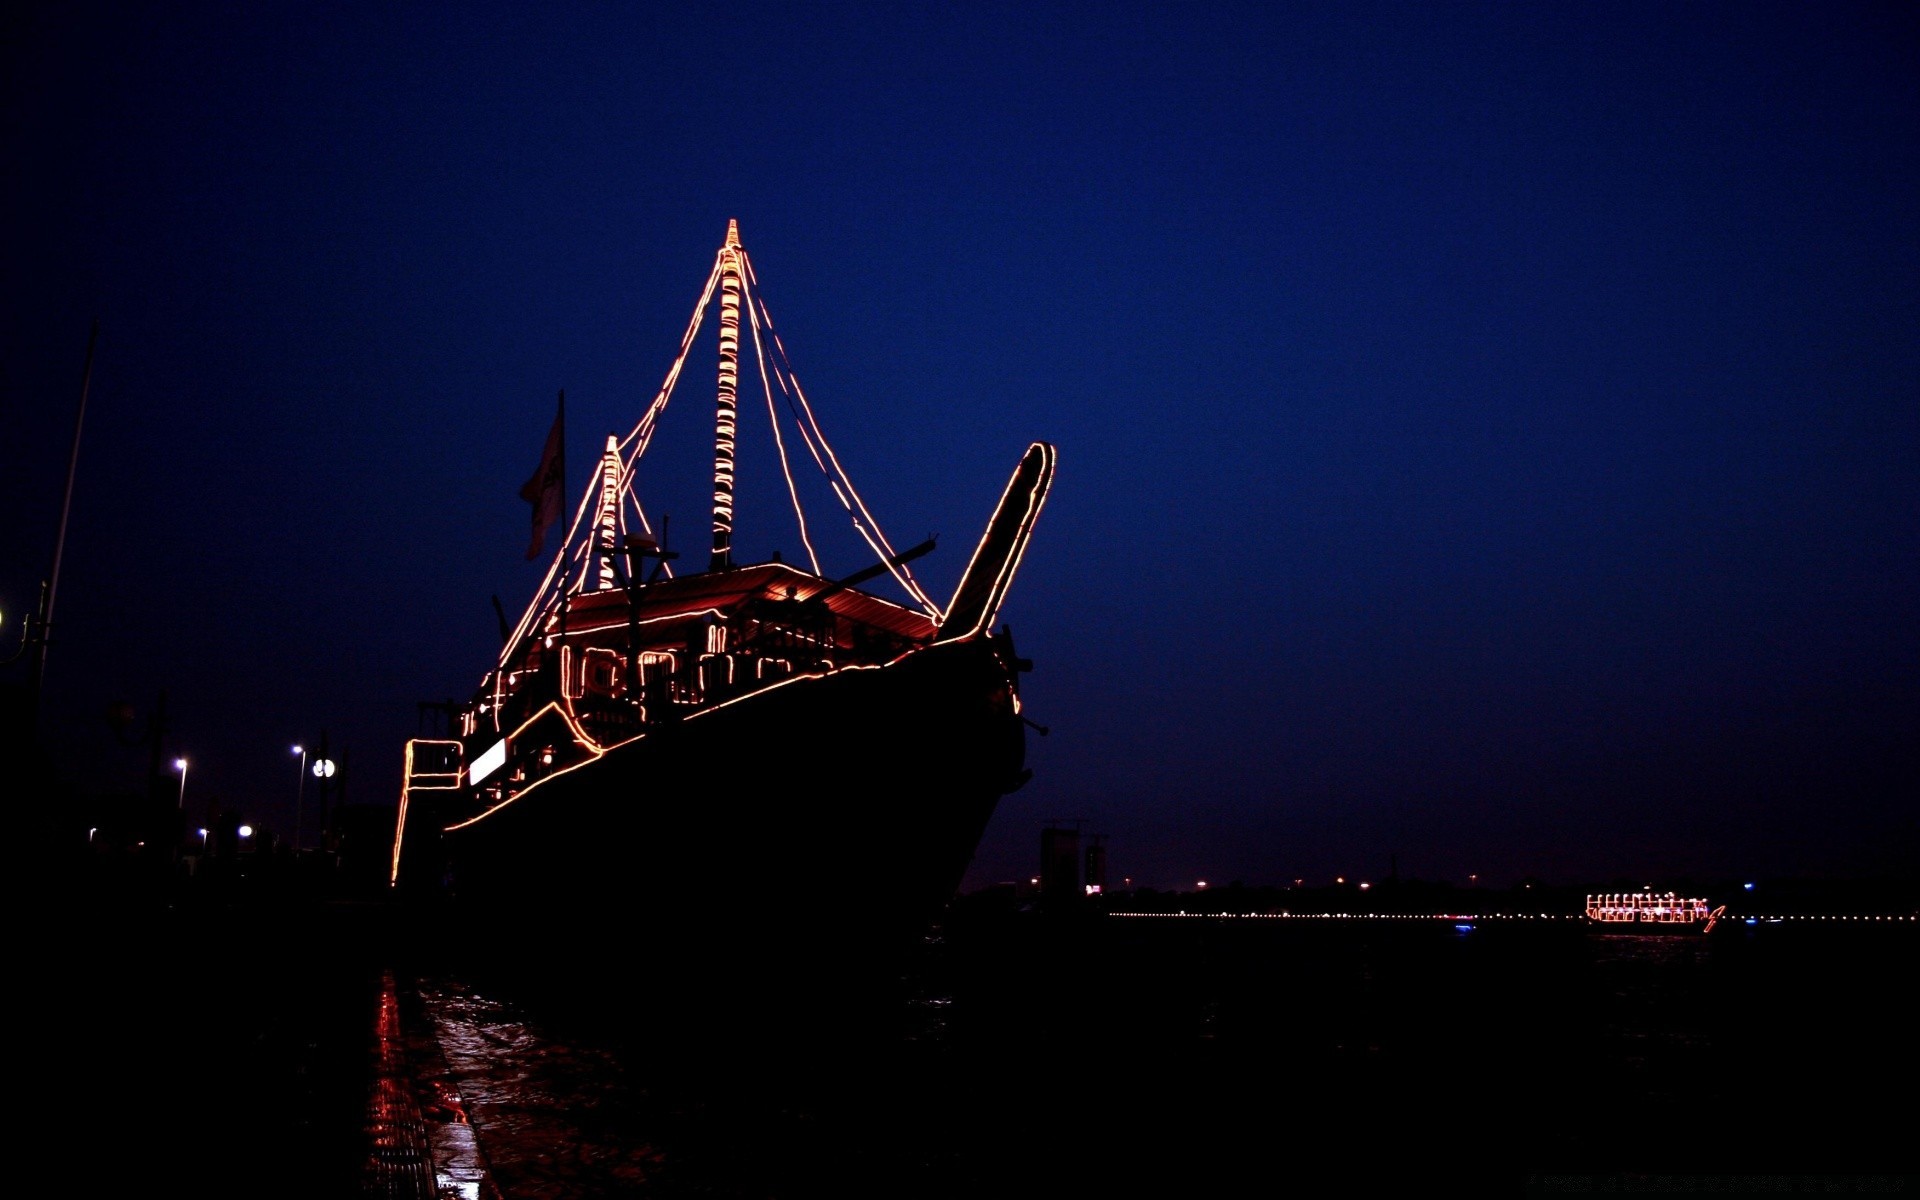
pixel 1358 916
pixel 1792 917
pixel 1201 885
pixel 1461 916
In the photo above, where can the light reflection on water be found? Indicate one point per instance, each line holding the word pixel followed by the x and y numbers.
pixel 1659 1022
pixel 556 1117
pixel 1004 1045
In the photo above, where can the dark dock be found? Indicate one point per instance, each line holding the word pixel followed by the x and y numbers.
pixel 223 1048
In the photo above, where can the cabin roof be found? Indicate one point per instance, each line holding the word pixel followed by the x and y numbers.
pixel 730 590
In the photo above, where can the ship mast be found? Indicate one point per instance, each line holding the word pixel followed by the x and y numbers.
pixel 607 523
pixel 726 418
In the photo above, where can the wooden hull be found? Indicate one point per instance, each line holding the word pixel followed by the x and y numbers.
pixel 1648 928
pixel 819 825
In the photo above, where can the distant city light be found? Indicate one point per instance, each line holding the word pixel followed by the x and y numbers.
pixel 1203 883
pixel 246 831
pixel 1747 886
pixel 1365 886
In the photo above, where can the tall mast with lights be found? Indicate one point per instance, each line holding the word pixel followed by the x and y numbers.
pixel 607 520
pixel 726 419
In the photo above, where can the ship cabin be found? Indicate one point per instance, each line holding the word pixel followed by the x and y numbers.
pixel 609 664
pixel 1651 908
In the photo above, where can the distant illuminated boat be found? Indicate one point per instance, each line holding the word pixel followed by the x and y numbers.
pixel 1650 912
pixel 659 761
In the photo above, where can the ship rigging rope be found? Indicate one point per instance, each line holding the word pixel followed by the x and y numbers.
pixel 645 526
pixel 642 433
pixel 538 606
pixel 780 443
pixel 574 553
pixel 876 539
pixel 638 438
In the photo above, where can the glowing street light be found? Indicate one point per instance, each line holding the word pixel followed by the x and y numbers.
pixel 299 795
pixel 180 765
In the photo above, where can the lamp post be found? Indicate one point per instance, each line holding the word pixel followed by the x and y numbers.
pixel 323 769
pixel 299 796
pixel 180 765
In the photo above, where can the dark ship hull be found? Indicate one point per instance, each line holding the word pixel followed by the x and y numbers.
pixel 824 821
pixel 1648 928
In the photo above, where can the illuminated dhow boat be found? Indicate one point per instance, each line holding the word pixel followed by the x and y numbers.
pixel 1650 912
pixel 757 757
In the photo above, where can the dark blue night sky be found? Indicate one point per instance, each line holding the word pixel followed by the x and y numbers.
pixel 1489 434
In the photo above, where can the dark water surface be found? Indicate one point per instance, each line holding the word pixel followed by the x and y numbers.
pixel 1166 1057
pixel 193 1050
pixel 224 1051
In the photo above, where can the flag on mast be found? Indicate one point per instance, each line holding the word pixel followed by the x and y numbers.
pixel 546 491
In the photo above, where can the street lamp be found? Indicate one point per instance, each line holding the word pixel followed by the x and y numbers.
pixel 323 769
pixel 299 796
pixel 180 765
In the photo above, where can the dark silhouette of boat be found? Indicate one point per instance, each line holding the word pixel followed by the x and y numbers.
pixel 750 765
